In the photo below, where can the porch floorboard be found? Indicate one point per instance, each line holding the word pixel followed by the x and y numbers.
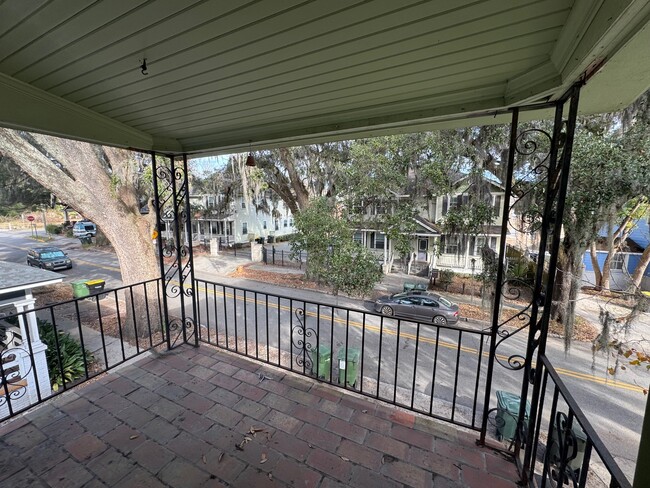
pixel 202 417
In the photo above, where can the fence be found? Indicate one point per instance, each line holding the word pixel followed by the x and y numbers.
pixel 281 257
pixel 435 370
pixel 566 450
pixel 42 351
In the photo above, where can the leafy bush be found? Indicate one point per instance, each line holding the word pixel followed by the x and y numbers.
pixel 54 229
pixel 446 276
pixel 72 355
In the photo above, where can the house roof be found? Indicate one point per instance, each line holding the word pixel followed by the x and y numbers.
pixel 18 277
pixel 640 234
pixel 428 227
pixel 223 77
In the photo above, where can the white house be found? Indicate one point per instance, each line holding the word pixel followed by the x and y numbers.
pixel 239 219
pixel 431 246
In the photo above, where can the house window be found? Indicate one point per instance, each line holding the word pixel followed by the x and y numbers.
pixel 497 205
pixel 264 225
pixel 243 203
pixel 286 222
pixel 290 222
pixel 277 224
pixel 244 228
pixel 475 245
pixel 450 244
pixel 618 261
pixel 377 240
pixel 493 243
pixel 358 237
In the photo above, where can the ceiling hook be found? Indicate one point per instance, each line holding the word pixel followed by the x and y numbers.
pixel 143 67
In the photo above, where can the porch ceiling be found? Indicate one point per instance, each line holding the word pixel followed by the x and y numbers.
pixel 225 75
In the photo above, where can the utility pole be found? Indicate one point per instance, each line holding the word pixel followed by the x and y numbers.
pixel 44 219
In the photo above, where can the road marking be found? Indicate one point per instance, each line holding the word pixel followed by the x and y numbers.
pixel 450 345
pixel 107 267
pixel 390 331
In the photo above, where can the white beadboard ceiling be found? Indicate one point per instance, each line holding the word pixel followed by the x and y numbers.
pixel 226 75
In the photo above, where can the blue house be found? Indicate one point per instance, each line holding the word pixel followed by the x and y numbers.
pixel 625 262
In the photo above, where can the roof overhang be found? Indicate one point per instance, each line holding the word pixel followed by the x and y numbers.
pixel 225 78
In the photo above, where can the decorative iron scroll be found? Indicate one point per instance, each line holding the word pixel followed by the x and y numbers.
pixel 304 339
pixel 179 328
pixel 12 380
pixel 562 449
pixel 534 146
pixel 514 324
pixel 173 209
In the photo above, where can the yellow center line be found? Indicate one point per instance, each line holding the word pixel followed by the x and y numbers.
pixel 450 345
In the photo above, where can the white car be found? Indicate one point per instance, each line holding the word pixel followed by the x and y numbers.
pixel 84 228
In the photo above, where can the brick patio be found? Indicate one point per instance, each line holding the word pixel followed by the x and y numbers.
pixel 201 417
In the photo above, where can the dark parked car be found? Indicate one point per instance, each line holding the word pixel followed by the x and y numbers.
pixel 419 305
pixel 51 258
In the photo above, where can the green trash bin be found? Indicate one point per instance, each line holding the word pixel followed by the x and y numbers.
pixel 348 367
pixel 581 441
pixel 80 289
pixel 321 362
pixel 507 414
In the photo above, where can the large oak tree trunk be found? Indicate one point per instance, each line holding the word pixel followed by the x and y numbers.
pixel 640 269
pixel 99 183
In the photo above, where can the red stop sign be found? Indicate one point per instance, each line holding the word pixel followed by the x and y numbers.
pixel 30 218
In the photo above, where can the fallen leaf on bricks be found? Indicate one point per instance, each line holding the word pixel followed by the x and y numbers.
pixel 264 458
pixel 205 461
pixel 344 458
pixel 133 437
pixel 270 476
pixel 220 457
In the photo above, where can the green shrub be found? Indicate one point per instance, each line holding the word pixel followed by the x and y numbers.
pixel 72 355
pixel 446 276
pixel 54 229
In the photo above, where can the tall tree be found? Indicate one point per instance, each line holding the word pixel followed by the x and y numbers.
pixel 100 182
pixel 609 167
pixel 298 174
pixel 18 190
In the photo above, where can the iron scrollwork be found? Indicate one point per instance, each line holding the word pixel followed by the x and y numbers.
pixel 178 327
pixel 12 380
pixel 511 289
pixel 562 450
pixel 304 339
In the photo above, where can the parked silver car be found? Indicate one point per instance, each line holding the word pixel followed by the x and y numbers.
pixel 420 306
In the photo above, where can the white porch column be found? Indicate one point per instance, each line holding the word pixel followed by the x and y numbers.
pixel 37 349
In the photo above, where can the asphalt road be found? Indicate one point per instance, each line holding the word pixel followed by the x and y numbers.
pixel 423 359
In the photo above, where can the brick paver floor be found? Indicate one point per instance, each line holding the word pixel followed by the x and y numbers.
pixel 201 417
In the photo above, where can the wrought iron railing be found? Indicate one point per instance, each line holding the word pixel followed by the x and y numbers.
pixel 47 350
pixel 566 450
pixel 436 370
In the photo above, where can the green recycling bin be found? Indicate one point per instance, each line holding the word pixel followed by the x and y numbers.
pixel 507 414
pixel 581 442
pixel 348 367
pixel 80 289
pixel 321 362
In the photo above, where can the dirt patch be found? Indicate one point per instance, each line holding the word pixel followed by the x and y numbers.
pixel 583 330
pixel 53 294
pixel 611 297
pixel 293 280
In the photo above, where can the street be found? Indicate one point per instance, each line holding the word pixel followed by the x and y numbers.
pixel 445 367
